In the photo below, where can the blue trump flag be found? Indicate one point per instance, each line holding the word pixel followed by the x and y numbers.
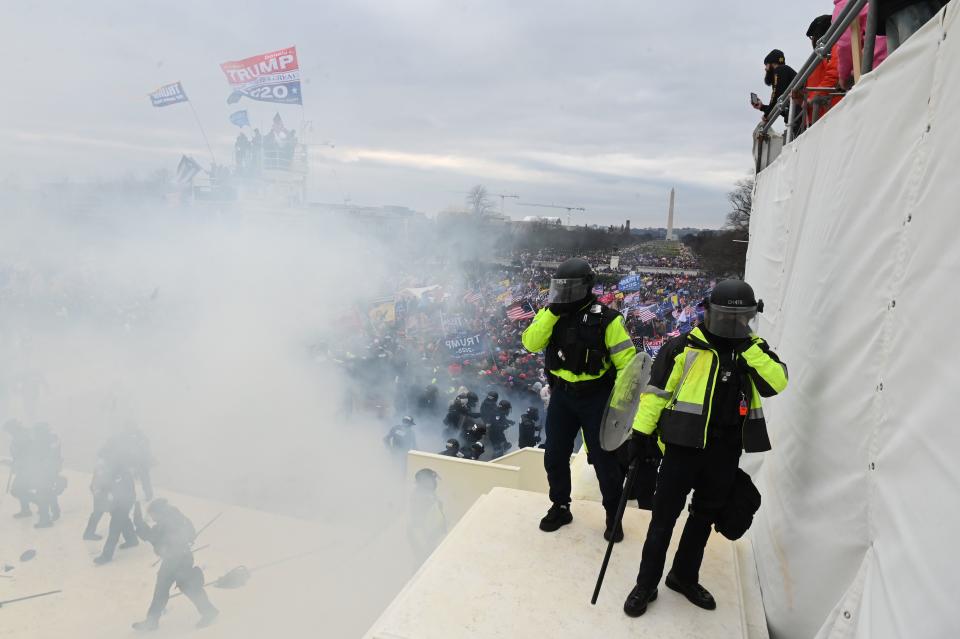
pixel 168 94
pixel 240 118
pixel 630 283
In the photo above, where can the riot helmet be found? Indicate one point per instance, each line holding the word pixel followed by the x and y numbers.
pixel 472 398
pixel 407 421
pixel 426 479
pixel 493 395
pixel 477 448
pixel 731 310
pixel 157 508
pixel 572 282
pixel 453 444
pixel 505 406
pixel 532 413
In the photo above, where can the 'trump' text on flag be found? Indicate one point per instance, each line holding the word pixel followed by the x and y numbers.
pixel 268 77
pixel 168 94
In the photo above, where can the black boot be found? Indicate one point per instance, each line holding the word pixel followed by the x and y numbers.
pixel 148 624
pixel 695 593
pixel 637 600
pixel 207 618
pixel 558 515
pixel 617 532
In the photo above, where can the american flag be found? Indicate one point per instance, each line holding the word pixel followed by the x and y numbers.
pixel 520 311
pixel 472 297
pixel 646 315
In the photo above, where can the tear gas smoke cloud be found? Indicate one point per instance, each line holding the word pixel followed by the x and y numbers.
pixel 196 325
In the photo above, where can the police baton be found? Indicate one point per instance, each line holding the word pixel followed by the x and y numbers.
pixel 631 479
pixel 42 594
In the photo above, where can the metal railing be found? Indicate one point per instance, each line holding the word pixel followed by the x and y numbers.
pixel 821 52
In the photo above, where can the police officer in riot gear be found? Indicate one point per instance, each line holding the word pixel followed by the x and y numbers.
pixel 121 493
pixel 586 343
pixel 703 401
pixel 498 426
pixel 472 401
pixel 452 448
pixel 456 413
pixel 529 430
pixel 488 408
pixel 474 431
pixel 172 537
pixel 474 451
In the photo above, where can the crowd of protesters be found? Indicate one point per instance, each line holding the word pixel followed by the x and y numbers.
pixel 634 258
pixel 440 345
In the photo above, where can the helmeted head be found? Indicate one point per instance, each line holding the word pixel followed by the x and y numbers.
pixel 505 406
pixel 572 283
pixel 493 395
pixel 818 28
pixel 472 398
pixel 477 448
pixel 426 479
pixel 453 445
pixel 532 413
pixel 731 309
pixel 157 508
pixel 407 421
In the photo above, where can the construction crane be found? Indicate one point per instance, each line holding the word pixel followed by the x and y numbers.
pixel 504 196
pixel 570 209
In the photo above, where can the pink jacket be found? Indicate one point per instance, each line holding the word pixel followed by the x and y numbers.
pixel 844 48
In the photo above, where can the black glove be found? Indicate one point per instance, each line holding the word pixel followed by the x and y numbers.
pixel 557 309
pixel 643 448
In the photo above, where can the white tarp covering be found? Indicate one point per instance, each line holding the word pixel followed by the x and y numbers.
pixel 854 248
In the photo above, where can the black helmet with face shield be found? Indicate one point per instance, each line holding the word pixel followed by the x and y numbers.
pixel 572 282
pixel 731 310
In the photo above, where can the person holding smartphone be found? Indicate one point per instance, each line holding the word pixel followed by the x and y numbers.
pixel 777 75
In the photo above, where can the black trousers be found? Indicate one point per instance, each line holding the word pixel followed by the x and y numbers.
pixel 120 524
pixel 189 579
pixel 709 473
pixel 567 414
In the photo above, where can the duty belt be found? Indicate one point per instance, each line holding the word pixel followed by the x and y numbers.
pixel 603 383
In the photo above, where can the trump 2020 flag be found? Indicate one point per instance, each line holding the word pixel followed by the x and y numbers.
pixel 168 94
pixel 268 77
pixel 240 118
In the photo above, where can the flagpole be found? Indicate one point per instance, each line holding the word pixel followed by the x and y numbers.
pixel 202 132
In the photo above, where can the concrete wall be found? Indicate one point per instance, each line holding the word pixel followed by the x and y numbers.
pixel 530 462
pixel 462 481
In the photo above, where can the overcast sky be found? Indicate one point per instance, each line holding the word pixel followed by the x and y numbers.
pixel 603 105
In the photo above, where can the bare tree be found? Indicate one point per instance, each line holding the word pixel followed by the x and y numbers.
pixel 741 203
pixel 479 202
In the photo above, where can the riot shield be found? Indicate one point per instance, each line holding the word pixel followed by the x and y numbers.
pixel 622 407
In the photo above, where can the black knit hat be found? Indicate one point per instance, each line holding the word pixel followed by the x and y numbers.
pixel 774 57
pixel 819 26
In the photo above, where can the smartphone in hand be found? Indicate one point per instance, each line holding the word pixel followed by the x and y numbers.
pixel 754 99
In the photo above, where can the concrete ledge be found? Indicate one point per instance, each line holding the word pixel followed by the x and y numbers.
pixel 497 576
